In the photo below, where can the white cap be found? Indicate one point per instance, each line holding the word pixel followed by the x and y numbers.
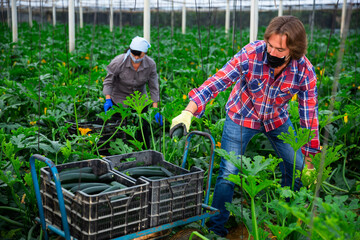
pixel 139 44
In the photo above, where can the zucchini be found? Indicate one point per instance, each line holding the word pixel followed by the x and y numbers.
pixel 144 171
pixel 107 177
pixel 155 177
pixel 94 189
pixel 81 186
pixel 112 188
pixel 170 174
pixel 68 186
pixel 114 183
pixel 76 170
pixel 75 177
pixel 118 197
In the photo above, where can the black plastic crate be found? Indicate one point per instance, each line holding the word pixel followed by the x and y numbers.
pixel 96 126
pixel 170 199
pixel 98 216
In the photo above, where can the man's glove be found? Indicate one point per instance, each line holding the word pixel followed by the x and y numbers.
pixel 108 104
pixel 181 121
pixel 159 119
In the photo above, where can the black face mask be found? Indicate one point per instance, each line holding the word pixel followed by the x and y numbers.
pixel 275 62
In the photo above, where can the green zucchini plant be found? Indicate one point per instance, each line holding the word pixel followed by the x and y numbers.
pixel 249 179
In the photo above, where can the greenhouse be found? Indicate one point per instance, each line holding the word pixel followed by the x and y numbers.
pixel 180 119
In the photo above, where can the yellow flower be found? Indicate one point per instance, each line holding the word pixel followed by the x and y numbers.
pixel 359 87
pixel 354 85
pixel 346 118
pixel 97 81
pixel 192 63
pixel 103 78
pixel 95 68
pixel 218 144
pixel 23 199
pixel 322 71
pixel 84 131
pixel 33 123
pixel 87 58
pixel 222 49
pixel 331 54
pixel 28 62
pixel 63 63
pixel 43 61
pixel 294 98
pixel 318 68
pixel 101 99
pixel 326 104
pixel 217 69
pixel 14 64
pixel 212 101
pixel 45 109
pixel 192 79
pixel 184 97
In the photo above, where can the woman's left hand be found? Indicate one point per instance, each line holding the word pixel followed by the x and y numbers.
pixel 159 119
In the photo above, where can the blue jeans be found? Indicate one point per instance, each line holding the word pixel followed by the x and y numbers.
pixel 236 138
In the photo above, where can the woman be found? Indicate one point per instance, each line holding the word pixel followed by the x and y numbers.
pixel 130 72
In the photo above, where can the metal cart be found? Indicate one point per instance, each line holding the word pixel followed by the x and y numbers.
pixel 208 211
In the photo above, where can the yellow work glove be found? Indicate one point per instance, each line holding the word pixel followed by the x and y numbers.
pixel 181 122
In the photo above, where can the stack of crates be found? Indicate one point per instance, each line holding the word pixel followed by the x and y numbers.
pixel 170 199
pixel 98 216
pixel 96 126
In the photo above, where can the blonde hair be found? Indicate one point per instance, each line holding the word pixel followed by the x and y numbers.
pixel 294 31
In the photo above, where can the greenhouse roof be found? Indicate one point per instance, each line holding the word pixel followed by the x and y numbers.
pixel 138 5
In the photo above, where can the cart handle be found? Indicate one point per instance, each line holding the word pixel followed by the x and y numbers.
pixel 58 190
pixel 211 163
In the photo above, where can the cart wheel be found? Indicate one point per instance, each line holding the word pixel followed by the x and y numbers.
pixel 184 234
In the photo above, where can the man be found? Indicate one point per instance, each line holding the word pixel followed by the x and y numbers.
pixel 266 74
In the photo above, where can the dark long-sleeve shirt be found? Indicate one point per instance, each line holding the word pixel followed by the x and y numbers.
pixel 122 79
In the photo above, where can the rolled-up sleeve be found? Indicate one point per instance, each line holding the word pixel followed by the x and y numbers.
pixel 219 82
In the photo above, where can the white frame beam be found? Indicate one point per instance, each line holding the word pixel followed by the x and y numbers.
pixel 14 21
pixel 147 20
pixel 254 17
pixel 183 19
pixel 71 25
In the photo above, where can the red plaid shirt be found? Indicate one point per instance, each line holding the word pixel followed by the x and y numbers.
pixel 258 98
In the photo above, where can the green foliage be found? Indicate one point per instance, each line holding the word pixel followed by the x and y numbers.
pixel 39 96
